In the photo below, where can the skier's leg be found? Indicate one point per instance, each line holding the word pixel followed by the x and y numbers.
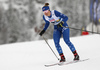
pixel 56 37
pixel 68 42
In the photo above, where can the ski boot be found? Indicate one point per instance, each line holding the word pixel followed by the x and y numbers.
pixel 76 56
pixel 62 58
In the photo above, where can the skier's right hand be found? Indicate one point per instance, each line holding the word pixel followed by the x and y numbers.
pixel 42 32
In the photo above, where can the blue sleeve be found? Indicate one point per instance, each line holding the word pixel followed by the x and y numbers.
pixel 58 14
pixel 47 24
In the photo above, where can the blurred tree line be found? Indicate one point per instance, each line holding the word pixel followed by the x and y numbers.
pixel 23 21
pixel 16 23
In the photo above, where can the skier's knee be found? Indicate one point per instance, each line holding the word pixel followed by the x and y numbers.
pixel 56 43
pixel 67 41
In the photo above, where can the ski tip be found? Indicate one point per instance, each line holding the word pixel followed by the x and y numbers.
pixel 46 65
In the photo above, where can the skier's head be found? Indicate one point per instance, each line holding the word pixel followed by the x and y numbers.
pixel 46 9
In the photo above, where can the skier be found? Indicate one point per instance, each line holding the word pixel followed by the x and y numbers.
pixel 59 20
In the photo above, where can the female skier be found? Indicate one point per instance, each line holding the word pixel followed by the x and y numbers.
pixel 59 20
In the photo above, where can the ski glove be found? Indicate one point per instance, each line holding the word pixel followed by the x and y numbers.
pixel 60 24
pixel 42 32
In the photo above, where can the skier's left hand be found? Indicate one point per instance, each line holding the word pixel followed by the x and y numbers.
pixel 60 24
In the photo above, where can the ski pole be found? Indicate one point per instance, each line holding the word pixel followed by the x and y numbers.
pixel 50 47
pixel 80 29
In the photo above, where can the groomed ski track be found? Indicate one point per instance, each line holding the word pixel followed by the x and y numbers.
pixel 35 54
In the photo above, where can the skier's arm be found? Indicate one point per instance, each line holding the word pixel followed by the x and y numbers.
pixel 64 18
pixel 45 27
pixel 58 14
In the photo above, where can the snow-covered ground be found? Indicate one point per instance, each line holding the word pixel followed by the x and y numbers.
pixel 34 55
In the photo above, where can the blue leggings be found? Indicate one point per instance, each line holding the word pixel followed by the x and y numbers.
pixel 56 36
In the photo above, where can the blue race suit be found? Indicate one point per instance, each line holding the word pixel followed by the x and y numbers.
pixel 55 18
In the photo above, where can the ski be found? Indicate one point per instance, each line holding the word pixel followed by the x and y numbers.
pixel 59 63
pixel 71 62
pixel 48 65
pixel 65 63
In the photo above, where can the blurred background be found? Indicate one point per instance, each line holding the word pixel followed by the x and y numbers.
pixel 21 20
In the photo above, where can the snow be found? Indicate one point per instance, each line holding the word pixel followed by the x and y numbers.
pixel 35 54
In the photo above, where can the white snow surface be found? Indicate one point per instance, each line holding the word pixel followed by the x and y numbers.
pixel 35 54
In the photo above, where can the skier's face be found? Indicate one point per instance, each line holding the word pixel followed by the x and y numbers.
pixel 47 13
